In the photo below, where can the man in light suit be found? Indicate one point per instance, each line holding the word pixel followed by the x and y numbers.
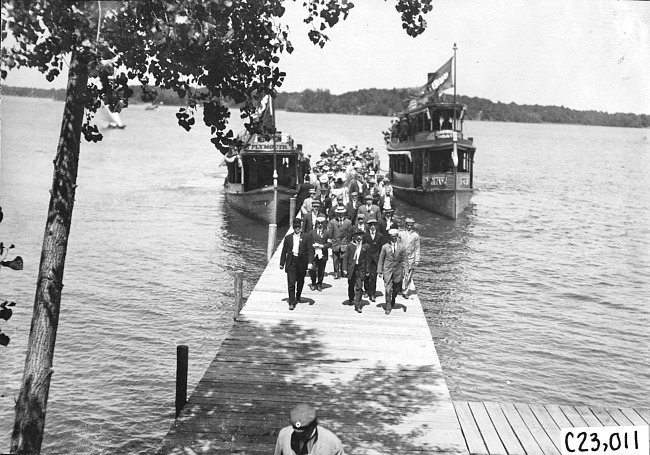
pixel 294 261
pixel 411 241
pixel 340 228
pixel 355 266
pixel 391 263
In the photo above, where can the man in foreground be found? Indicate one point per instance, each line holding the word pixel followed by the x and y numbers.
pixel 305 437
pixel 355 266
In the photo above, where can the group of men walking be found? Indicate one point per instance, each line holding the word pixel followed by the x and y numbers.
pixel 361 252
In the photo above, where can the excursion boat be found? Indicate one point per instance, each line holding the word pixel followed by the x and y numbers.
pixel 431 161
pixel 250 185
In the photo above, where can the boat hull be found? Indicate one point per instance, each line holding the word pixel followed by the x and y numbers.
pixel 258 204
pixel 446 202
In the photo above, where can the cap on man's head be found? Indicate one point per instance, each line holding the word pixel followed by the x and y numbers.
pixel 315 203
pixel 302 415
pixel 410 221
pixel 354 193
pixel 393 231
pixel 323 178
pixel 320 218
pixel 389 210
pixel 361 216
pixel 359 234
pixel 368 197
pixel 297 222
pixel 371 220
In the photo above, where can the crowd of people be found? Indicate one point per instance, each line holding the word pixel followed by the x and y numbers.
pixel 364 242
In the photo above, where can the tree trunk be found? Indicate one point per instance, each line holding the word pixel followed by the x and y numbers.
pixel 29 425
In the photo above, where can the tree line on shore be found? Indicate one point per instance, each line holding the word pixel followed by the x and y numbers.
pixel 389 102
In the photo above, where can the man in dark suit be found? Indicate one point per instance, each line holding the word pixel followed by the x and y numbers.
pixel 309 220
pixel 355 265
pixel 391 264
pixel 387 223
pixel 294 261
pixel 318 245
pixel 353 207
pixel 375 241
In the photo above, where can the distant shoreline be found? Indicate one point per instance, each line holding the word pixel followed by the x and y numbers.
pixel 389 102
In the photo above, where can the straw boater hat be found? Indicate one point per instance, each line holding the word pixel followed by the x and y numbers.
pixel 410 221
pixel 320 218
pixel 340 210
pixel 315 202
pixel 323 178
pixel 393 231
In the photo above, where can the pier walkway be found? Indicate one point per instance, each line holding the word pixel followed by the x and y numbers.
pixel 375 379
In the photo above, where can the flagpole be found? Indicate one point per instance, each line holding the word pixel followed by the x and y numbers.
pixel 455 86
pixel 274 215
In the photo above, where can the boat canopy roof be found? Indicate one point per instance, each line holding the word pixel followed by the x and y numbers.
pixel 438 106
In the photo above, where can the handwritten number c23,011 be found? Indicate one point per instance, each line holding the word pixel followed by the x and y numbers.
pixel 614 443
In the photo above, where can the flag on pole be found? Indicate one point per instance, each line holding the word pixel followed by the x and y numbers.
pixel 264 112
pixel 440 80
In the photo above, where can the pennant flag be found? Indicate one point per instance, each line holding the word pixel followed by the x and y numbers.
pixel 440 80
pixel 265 112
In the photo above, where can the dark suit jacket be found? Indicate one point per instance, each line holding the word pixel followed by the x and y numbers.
pixel 384 228
pixel 307 222
pixel 375 245
pixel 349 265
pixel 286 257
pixel 325 239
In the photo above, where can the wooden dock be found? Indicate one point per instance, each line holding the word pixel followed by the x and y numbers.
pixel 519 429
pixel 375 379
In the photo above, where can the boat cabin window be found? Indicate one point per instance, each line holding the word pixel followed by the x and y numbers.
pixel 234 172
pixel 258 171
pixel 401 164
pixel 443 119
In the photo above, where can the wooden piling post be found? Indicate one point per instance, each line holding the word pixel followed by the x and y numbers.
pixel 292 210
pixel 181 377
pixel 271 244
pixel 239 280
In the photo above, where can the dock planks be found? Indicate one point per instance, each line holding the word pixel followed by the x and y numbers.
pixel 375 379
pixel 532 428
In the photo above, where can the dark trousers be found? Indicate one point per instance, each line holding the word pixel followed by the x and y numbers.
pixel 295 281
pixel 337 259
pixel 317 273
pixel 355 286
pixel 370 283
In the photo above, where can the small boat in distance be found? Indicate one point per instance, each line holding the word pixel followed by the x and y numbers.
pixel 113 118
pixel 431 161
pixel 250 185
pixel 153 106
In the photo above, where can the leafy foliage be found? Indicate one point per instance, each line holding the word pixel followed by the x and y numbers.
pixel 203 51
pixel 15 264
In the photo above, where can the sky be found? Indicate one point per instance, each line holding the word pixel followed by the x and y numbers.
pixel 581 54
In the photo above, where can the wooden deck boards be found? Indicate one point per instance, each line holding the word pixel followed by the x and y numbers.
pixel 532 428
pixel 375 379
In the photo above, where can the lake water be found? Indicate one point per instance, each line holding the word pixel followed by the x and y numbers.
pixel 539 293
